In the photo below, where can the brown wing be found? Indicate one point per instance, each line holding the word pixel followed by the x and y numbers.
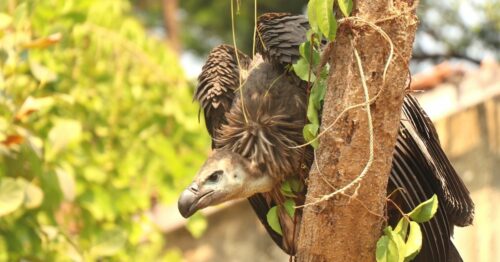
pixel 457 201
pixel 219 78
pixel 279 36
pixel 421 168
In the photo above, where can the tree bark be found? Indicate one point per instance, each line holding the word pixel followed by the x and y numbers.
pixel 171 23
pixel 347 228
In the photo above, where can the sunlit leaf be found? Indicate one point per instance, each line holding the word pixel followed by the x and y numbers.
pixel 42 73
pixel 311 14
pixel 32 104
pixel 387 250
pixel 50 232
pixel 109 243
pixel 273 220
pixel 326 21
pixel 398 240
pixel 33 196
pixel 414 241
pixel 64 132
pixel 95 174
pixel 11 195
pixel 5 21
pixel 425 211
pixel 402 227
pixel 99 203
pixel 66 183
pixel 345 7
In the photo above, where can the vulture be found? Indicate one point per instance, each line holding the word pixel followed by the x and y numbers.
pixel 255 110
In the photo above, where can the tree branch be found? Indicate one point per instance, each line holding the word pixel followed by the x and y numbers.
pixel 339 229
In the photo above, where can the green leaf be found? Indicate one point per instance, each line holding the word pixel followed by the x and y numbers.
pixel 402 227
pixel 302 69
pixel 66 183
pixel 387 250
pixel 325 19
pixel 318 92
pixel 11 195
pixel 42 73
pixel 312 111
pixel 5 21
pixel 273 220
pixel 398 241
pixel 63 133
pixel 32 104
pixel 425 211
pixel 310 131
pixel 291 186
pixel 286 189
pixel 109 243
pixel 289 205
pixel 306 50
pixel 94 174
pixel 33 196
pixel 345 7
pixel 414 241
pixel 311 14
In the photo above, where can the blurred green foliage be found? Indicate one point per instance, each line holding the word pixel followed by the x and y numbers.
pixel 96 127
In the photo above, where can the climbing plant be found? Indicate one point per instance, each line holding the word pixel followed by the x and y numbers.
pixel 96 128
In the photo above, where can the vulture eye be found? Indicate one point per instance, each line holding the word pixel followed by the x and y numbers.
pixel 215 176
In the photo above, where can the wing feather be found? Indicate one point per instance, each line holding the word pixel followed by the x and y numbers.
pixel 279 36
pixel 219 78
pixel 457 201
pixel 422 169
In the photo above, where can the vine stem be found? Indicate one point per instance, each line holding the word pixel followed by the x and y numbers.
pixel 367 103
pixel 386 67
pixel 238 61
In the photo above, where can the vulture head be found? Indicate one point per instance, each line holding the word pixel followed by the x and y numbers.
pixel 224 176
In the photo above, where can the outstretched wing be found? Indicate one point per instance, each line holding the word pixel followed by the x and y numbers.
pixel 219 78
pixel 279 36
pixel 421 168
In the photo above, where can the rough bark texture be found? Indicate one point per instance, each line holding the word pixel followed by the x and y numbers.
pixel 342 229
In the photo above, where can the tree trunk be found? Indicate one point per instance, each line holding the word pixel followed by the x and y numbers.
pixel 346 228
pixel 171 23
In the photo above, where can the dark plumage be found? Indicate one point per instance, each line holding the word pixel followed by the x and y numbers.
pixel 255 113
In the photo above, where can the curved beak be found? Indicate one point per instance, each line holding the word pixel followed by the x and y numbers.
pixel 190 200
